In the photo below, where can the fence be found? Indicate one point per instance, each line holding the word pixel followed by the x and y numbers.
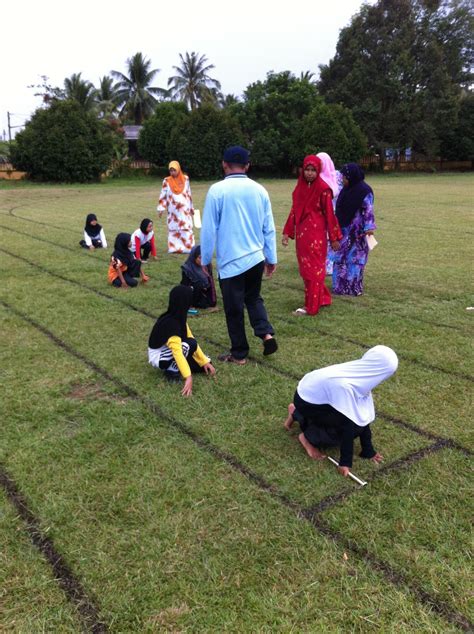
pixel 8 172
pixel 415 165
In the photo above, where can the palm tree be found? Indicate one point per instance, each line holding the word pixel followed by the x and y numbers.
pixel 107 96
pixel 192 84
pixel 80 90
pixel 228 100
pixel 307 75
pixel 134 91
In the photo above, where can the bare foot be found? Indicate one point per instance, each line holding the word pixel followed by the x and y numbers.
pixel 312 452
pixel 290 420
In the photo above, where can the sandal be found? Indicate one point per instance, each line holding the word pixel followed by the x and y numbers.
pixel 228 358
pixel 269 346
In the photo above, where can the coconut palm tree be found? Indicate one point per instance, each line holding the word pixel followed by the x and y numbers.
pixel 80 90
pixel 307 75
pixel 107 96
pixel 192 83
pixel 134 90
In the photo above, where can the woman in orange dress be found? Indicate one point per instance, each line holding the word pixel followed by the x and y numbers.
pixel 176 200
pixel 310 221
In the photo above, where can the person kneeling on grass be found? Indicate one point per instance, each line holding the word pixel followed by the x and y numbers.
pixel 171 345
pixel 334 405
pixel 124 267
pixel 143 241
pixel 94 236
pixel 199 279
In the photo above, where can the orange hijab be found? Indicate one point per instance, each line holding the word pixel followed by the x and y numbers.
pixel 176 183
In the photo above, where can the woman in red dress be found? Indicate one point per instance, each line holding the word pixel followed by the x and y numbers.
pixel 310 221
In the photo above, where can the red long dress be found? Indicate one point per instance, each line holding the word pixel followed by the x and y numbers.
pixel 310 221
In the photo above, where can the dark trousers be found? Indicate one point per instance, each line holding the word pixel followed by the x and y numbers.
pixel 129 275
pixel 323 426
pixel 145 251
pixel 244 291
pixel 189 348
pixel 97 244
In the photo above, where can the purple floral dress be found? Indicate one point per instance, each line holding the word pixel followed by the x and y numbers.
pixel 350 260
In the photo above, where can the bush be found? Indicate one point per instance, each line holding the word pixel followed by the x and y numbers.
pixel 154 139
pixel 200 141
pixel 331 129
pixel 64 144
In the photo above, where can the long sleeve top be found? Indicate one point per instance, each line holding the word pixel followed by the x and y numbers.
pixel 100 236
pixel 139 239
pixel 174 344
pixel 238 223
pixel 349 431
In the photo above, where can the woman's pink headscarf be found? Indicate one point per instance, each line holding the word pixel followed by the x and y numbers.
pixel 328 172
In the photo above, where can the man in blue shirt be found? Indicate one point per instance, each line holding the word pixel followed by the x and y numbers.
pixel 238 223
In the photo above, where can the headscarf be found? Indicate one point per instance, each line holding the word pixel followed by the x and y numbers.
pixel 352 196
pixel 172 323
pixel 144 224
pixel 348 386
pixel 92 230
pixel 193 271
pixel 121 251
pixel 177 183
pixel 328 172
pixel 306 195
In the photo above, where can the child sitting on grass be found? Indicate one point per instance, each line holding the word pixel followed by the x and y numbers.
pixel 171 345
pixel 124 267
pixel 334 405
pixel 201 281
pixel 94 236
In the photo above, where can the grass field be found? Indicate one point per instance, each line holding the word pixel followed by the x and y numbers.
pixel 127 508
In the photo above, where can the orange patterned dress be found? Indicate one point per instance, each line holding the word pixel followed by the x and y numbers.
pixel 179 209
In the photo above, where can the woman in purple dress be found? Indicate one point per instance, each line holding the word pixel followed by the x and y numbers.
pixel 355 213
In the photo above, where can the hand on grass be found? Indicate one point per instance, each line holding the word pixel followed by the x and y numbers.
pixel 284 240
pixel 92 247
pixel 377 458
pixel 145 278
pixel 209 369
pixel 188 387
pixel 344 471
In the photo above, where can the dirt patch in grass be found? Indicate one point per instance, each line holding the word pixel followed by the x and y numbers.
pixel 93 392
pixel 167 619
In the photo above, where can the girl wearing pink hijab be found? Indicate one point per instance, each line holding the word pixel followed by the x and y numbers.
pixel 333 178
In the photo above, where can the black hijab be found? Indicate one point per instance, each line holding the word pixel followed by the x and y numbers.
pixel 352 196
pixel 144 224
pixel 92 230
pixel 193 271
pixel 172 323
pixel 121 250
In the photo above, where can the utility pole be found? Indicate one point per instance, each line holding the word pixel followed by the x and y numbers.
pixel 9 129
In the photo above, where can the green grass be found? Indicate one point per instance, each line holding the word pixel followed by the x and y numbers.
pixel 162 531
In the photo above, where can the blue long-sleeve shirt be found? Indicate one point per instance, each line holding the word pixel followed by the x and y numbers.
pixel 238 223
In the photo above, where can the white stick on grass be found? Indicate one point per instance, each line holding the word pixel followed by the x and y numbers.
pixel 350 474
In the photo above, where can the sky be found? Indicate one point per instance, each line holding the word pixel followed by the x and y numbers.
pixel 244 40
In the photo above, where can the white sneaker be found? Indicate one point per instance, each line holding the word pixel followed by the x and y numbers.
pixel 300 311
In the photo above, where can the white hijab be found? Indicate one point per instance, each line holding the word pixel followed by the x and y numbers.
pixel 348 386
pixel 328 172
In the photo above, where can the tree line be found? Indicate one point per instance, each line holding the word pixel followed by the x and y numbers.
pixel 401 78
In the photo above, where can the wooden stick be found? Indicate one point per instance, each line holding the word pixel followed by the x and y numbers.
pixel 351 475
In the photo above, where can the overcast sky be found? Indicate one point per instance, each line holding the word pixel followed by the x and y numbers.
pixel 244 40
